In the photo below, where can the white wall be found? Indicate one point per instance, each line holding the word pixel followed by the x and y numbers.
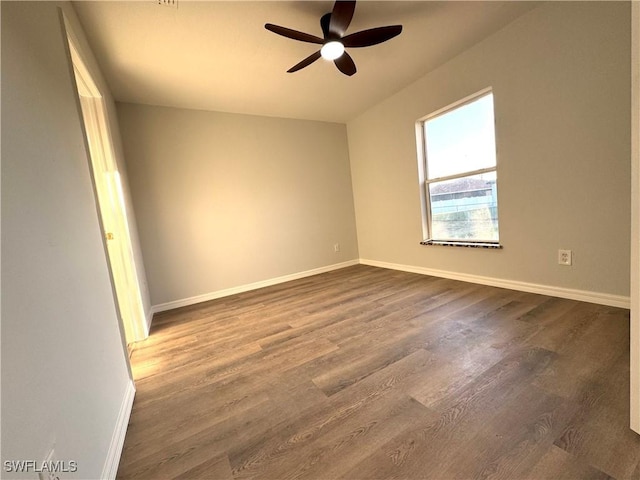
pixel 561 81
pixel 227 200
pixel 64 370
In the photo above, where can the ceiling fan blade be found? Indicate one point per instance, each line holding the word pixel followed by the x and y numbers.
pixel 324 24
pixel 341 17
pixel 345 64
pixel 293 34
pixel 372 36
pixel 304 63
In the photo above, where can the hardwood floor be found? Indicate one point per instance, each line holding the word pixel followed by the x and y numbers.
pixel 367 373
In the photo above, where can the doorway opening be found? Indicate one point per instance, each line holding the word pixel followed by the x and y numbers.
pixel 111 204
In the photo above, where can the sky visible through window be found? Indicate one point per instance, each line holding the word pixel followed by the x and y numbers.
pixel 461 140
pixel 461 169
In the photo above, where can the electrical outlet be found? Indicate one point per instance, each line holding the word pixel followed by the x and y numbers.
pixel 564 257
pixel 336 247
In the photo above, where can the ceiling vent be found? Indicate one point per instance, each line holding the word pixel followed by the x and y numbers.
pixel 168 3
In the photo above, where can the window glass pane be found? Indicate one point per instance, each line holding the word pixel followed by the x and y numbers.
pixel 461 140
pixel 465 208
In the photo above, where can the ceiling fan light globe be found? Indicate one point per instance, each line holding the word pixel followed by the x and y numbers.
pixel 332 50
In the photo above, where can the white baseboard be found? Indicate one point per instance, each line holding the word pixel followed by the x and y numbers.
pixel 117 440
pixel 573 294
pixel 570 293
pixel 250 286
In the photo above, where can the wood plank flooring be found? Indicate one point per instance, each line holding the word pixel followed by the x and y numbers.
pixel 368 373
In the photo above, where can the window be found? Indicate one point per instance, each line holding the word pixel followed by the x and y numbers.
pixel 459 173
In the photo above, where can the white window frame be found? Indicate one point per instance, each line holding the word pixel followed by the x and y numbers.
pixel 425 181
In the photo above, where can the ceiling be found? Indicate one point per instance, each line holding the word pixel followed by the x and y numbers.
pixel 218 56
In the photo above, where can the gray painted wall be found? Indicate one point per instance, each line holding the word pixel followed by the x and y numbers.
pixel 561 82
pixel 225 200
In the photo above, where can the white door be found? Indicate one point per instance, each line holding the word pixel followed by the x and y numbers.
pixel 114 219
pixel 111 203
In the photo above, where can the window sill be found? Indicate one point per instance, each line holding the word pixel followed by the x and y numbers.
pixel 444 243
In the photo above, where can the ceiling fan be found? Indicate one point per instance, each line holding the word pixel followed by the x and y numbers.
pixel 334 41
